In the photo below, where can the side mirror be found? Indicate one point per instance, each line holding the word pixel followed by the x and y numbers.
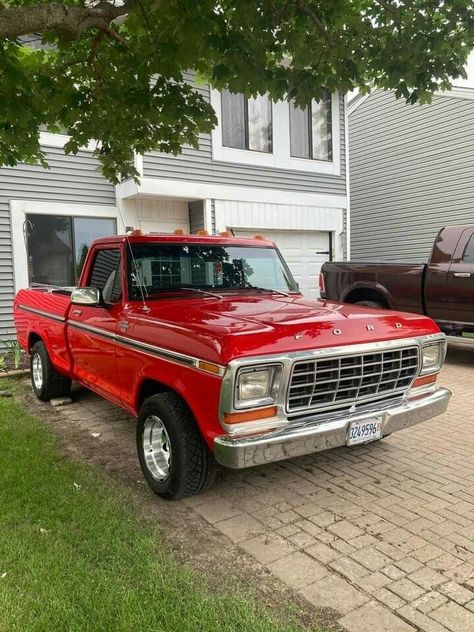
pixel 90 296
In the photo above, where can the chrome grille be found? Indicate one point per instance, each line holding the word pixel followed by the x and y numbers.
pixel 327 382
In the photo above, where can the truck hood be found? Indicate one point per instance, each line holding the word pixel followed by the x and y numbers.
pixel 240 326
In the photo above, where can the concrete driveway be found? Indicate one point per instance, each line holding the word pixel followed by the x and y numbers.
pixel 382 534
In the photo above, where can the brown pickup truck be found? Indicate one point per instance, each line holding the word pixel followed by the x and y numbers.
pixel 443 288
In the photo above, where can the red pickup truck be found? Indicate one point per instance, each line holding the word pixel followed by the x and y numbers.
pixel 208 341
pixel 443 288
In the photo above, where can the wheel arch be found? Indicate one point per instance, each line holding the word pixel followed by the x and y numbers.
pixel 151 386
pixel 368 293
pixel 33 338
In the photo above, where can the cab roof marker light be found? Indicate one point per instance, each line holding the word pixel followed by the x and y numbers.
pixel 259 237
pixel 225 233
pixel 178 231
pixel 203 232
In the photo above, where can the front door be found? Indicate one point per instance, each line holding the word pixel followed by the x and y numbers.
pixel 460 283
pixel 91 330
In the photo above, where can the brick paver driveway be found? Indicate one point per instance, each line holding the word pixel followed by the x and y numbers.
pixel 383 534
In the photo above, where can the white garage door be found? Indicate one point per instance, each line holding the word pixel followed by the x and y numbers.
pixel 304 252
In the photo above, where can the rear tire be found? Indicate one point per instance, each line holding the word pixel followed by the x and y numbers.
pixel 174 458
pixel 373 304
pixel 47 383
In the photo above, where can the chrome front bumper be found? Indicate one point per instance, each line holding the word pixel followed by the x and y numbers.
pixel 323 433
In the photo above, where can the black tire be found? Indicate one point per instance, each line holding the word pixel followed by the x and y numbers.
pixel 373 304
pixel 184 466
pixel 51 383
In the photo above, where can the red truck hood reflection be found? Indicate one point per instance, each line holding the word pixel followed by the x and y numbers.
pixel 221 330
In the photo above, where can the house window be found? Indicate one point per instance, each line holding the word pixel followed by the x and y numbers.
pixel 57 246
pixel 311 130
pixel 246 123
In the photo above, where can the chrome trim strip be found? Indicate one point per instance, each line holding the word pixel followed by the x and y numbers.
pixel 158 352
pixel 40 312
pixel 91 329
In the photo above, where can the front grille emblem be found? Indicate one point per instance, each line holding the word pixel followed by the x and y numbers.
pixel 370 328
pixel 337 332
pixel 398 325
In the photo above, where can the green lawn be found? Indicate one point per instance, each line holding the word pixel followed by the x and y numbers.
pixel 74 557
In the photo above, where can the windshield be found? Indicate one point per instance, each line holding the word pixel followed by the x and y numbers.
pixel 159 268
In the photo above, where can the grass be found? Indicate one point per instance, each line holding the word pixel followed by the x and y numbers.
pixel 73 556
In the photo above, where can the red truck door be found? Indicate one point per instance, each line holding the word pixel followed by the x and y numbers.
pixel 460 285
pixel 91 330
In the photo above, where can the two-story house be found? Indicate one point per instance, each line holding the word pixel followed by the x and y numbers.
pixel 268 168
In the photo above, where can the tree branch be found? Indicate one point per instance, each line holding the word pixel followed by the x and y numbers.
pixel 388 7
pixel 314 19
pixel 65 20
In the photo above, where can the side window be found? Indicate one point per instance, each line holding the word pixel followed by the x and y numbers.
pixel 106 275
pixel 469 252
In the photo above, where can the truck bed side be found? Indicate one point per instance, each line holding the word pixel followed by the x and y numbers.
pixel 397 286
pixel 41 313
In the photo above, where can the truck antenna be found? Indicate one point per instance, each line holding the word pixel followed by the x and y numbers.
pixel 141 285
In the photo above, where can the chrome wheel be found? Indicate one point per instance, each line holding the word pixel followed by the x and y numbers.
pixel 156 448
pixel 37 371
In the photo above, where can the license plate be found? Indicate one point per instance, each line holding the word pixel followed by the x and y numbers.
pixel 365 430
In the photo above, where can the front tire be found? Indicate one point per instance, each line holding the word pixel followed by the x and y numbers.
pixel 174 458
pixel 47 383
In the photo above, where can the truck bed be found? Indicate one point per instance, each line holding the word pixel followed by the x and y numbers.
pixel 400 284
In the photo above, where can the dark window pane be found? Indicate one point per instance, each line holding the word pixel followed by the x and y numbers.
pixel 260 124
pixel 322 128
pixel 233 120
pixel 49 244
pixel 469 252
pixel 86 230
pixel 106 276
pixel 299 132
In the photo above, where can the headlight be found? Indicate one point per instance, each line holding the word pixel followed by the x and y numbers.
pixel 432 358
pixel 257 386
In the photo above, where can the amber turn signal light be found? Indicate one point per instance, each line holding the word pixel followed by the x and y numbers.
pixel 209 367
pixel 250 415
pixel 425 379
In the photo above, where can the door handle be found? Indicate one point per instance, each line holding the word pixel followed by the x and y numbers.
pixel 462 275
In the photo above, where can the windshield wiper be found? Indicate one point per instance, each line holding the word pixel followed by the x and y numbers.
pixel 265 289
pixel 187 288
